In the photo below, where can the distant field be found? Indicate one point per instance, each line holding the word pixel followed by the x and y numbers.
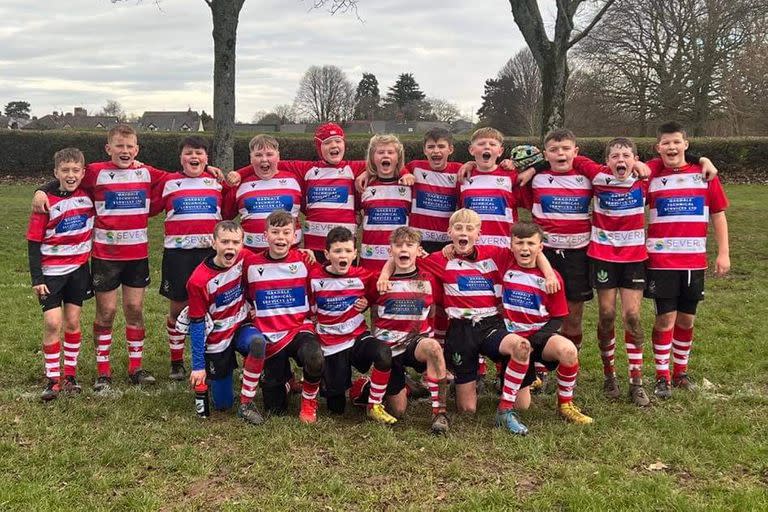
pixel 146 450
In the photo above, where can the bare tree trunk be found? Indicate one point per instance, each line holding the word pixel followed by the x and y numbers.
pixel 554 78
pixel 225 15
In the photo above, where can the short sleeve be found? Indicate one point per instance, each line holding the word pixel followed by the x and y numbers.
pixel 718 201
pixel 36 228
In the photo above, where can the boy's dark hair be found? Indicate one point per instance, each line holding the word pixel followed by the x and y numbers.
pixel 559 135
pixel 435 134
pixel 405 233
pixel 121 129
pixel 338 234
pixel 671 127
pixel 279 219
pixel 525 229
pixel 226 225
pixel 68 155
pixel 622 142
pixel 194 142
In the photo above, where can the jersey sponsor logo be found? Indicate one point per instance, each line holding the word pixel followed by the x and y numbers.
pixel 618 201
pixel 328 194
pixel 486 205
pixel 436 202
pixel 125 199
pixel 474 284
pixel 194 204
pixel 620 236
pixel 522 299
pixel 73 223
pixel 401 306
pixel 268 204
pixel 682 205
pixel 564 204
pixel 227 297
pixel 115 237
pixel 387 215
pixel 336 303
pixel 281 298
pixel 677 244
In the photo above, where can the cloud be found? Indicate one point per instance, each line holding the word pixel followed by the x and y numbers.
pixel 84 52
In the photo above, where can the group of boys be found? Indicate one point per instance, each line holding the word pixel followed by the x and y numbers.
pixel 426 312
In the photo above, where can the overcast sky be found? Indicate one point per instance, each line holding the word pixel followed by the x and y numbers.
pixel 62 54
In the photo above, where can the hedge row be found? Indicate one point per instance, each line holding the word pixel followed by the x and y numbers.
pixel 28 153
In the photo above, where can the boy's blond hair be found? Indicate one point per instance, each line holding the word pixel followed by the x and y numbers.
pixel 121 129
pixel 465 216
pixel 381 140
pixel 67 155
pixel 405 234
pixel 263 141
pixel 487 133
pixel 622 142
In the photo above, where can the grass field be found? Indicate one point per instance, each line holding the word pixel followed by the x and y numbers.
pixel 146 450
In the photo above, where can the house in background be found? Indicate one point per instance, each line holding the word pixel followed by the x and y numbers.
pixel 171 121
pixel 77 120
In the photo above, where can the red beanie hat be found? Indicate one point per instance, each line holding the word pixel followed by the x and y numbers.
pixel 326 131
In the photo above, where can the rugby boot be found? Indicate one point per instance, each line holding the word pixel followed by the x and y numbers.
pixel 611 387
pixel 683 382
pixel 103 384
pixel 638 395
pixel 379 414
pixel 662 389
pixel 141 377
pixel 250 413
pixel 570 413
pixel 440 424
pixel 509 420
pixel 308 412
pixel 51 391
pixel 178 371
pixel 71 386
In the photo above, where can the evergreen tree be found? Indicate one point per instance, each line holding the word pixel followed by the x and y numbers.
pixel 367 98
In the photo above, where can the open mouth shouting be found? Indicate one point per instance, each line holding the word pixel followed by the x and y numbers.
pixel 229 256
pixel 486 156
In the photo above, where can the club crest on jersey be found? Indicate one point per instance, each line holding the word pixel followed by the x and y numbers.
pixel 602 276
pixel 81 201
pixel 137 172
pixel 340 171
pixel 208 181
pixel 539 281
pixel 499 181
pixel 579 179
pixel 54 248
pixel 696 178
pixel 282 181
pixel 401 191
pixel 350 282
pixel 293 268
pixel 451 178
pixel 551 179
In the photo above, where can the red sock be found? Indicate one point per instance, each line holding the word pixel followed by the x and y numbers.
pixel 566 381
pixel 662 346
pixel 607 346
pixel 175 341
pixel 438 391
pixel 51 355
pixel 309 389
pixel 681 349
pixel 379 381
pixel 102 337
pixel 72 342
pixel 135 340
pixel 482 368
pixel 252 368
pixel 514 374
pixel 634 358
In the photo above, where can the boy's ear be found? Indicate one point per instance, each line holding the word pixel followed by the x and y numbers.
pixel 575 150
pixel 106 148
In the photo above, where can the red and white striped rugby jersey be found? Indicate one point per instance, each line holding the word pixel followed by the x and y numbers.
pixel 527 305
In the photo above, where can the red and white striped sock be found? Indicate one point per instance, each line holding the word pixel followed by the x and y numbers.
pixel 438 393
pixel 514 374
pixel 309 389
pixel 51 355
pixel 566 381
pixel 607 346
pixel 662 346
pixel 175 341
pixel 134 337
pixel 72 342
pixel 682 339
pixel 482 368
pixel 252 368
pixel 379 381
pixel 102 337
pixel 634 358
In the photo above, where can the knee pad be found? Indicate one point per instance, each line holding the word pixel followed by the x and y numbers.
pixel 336 403
pixel 222 395
pixel 275 400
